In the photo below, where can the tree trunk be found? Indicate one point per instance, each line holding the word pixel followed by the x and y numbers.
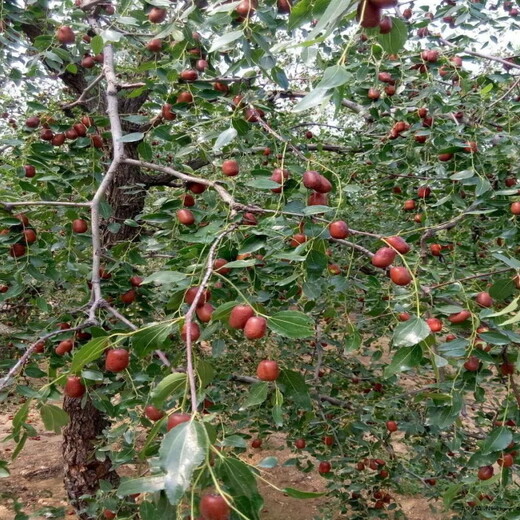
pixel 126 198
pixel 85 429
pixel 82 470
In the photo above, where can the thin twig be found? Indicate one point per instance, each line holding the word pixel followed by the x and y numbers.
pixel 188 317
pixel 83 97
pixel 9 205
pixel 484 275
pixel 432 231
pixel 28 353
pixel 221 191
pixel 481 55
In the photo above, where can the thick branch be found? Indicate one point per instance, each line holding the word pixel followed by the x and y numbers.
pixel 118 153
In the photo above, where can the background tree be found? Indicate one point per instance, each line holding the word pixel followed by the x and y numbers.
pixel 213 192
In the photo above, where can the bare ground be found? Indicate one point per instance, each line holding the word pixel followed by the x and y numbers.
pixel 36 480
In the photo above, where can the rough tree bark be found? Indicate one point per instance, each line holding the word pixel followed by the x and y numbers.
pixel 83 471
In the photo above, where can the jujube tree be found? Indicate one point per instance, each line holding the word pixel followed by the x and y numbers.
pixel 221 220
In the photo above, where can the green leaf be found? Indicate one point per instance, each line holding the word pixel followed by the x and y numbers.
pixel 263 183
pixel 53 417
pixel 141 485
pixel 256 395
pixel 300 13
pixel 131 138
pixel 151 337
pixel 241 263
pixel 237 476
pixel 332 16
pixel 291 324
pixel 234 441
pixel 164 277
pixel 316 210
pixel 511 262
pixel 21 416
pixel 495 338
pixel 404 359
pixel 205 371
pixel 277 411
pixel 96 44
pixel 506 310
pixel 225 39
pixel 145 151
pixel 182 450
pixel 268 462
pixel 295 388
pixel 410 333
pixel 170 385
pixel 223 311
pixel 502 289
pixel 224 139
pixel 4 469
pixel 353 340
pixel 499 439
pixel 296 493
pixel 88 353
pixel 316 262
pixel 314 98
pixel 394 41
pixel 334 76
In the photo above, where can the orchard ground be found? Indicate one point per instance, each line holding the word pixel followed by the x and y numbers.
pixel 36 480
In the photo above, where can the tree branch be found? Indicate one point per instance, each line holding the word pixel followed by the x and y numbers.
pixel 9 205
pixel 189 315
pixel 170 173
pixel 28 353
pixel 481 54
pixel 117 157
pixel 430 232
pixel 83 97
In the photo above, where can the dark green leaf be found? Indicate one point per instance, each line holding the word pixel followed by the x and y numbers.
pixel 256 395
pixel 291 324
pixel 394 41
pixel 404 359
pixel 53 417
pixel 88 353
pixel 170 385
pixel 164 277
pixel 151 337
pixel 334 76
pixel 295 388
pixel 131 138
pixel 498 440
pixel 502 289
